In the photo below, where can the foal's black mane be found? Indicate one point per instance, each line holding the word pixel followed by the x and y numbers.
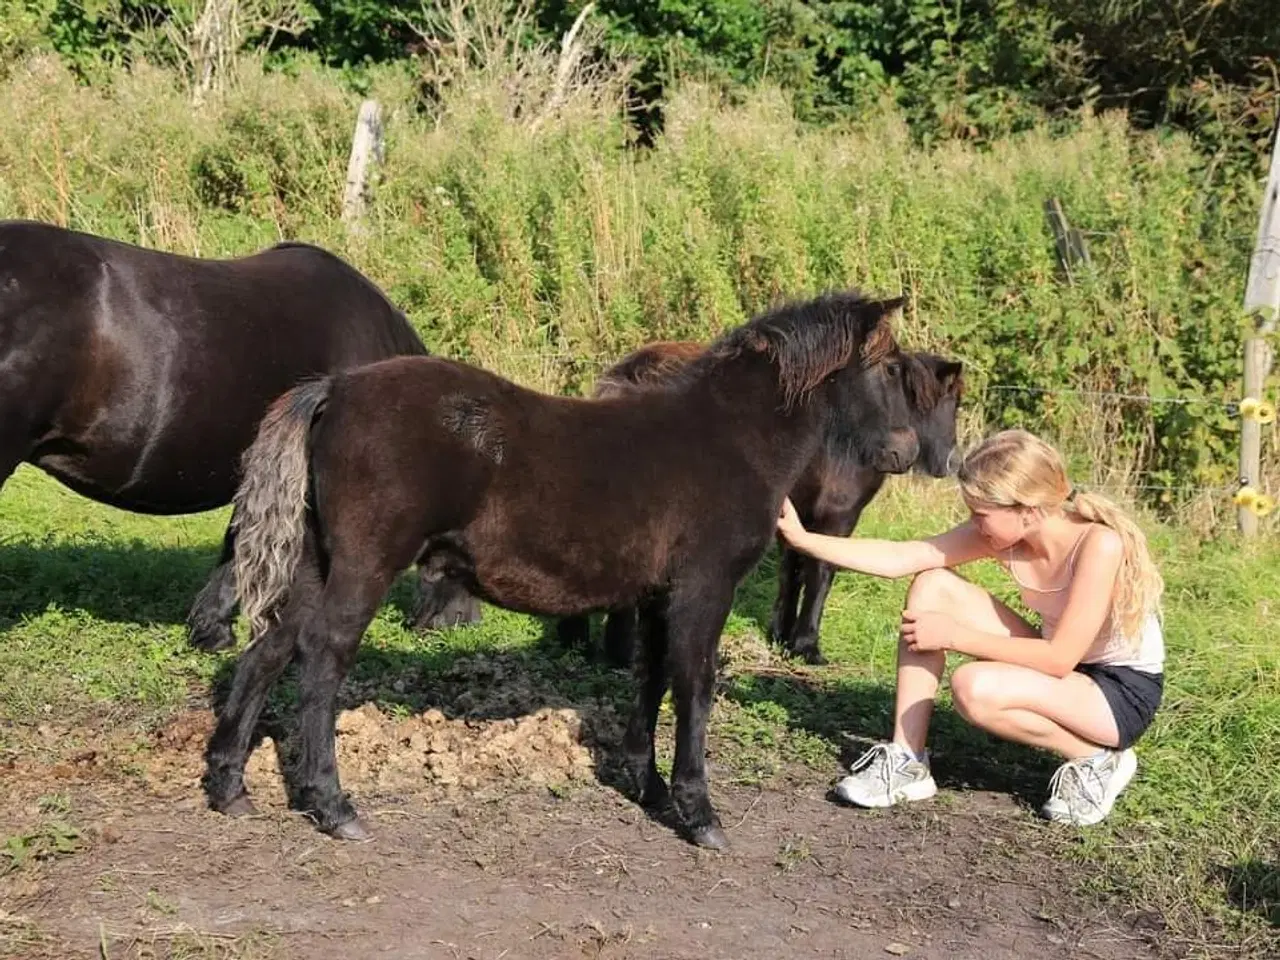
pixel 807 340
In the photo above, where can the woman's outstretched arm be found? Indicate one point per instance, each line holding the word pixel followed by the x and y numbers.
pixel 884 558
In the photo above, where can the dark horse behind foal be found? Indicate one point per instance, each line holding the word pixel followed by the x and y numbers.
pixel 138 377
pixel 544 505
pixel 829 496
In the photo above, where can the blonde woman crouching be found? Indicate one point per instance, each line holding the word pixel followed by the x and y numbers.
pixel 1085 685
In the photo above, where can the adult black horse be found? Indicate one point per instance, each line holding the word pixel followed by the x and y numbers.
pixel 138 377
pixel 662 499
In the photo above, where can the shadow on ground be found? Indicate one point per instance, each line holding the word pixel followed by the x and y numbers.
pixel 135 582
pixel 1254 887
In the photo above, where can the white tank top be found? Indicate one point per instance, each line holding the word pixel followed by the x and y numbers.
pixel 1109 647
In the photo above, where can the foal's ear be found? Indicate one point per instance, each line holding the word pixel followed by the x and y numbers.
pixel 878 339
pixel 951 376
pixel 891 310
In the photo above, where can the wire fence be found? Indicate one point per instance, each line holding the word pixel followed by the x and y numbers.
pixel 1231 407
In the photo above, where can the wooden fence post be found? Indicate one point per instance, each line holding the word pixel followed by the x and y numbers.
pixel 1261 304
pixel 366 150
pixel 1073 251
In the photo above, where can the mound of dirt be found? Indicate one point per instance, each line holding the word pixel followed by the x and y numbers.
pixel 379 752
pixel 496 723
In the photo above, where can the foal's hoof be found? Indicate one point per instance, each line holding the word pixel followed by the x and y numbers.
pixel 241 806
pixel 812 656
pixel 352 830
pixel 711 837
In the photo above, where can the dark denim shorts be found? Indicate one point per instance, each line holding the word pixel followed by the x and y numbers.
pixel 1133 696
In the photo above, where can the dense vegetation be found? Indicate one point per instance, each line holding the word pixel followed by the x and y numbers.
pixel 970 69
pixel 698 161
pixel 514 225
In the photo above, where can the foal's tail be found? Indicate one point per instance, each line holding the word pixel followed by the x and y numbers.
pixel 270 513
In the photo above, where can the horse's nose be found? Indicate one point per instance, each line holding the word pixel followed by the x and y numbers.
pixel 911 450
pixel 953 462
pixel 904 451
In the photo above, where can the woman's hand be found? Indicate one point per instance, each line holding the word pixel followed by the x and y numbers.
pixel 789 524
pixel 923 631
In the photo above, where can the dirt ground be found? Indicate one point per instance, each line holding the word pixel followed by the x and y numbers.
pixel 497 838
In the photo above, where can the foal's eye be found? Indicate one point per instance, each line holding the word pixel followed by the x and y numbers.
pixel 895 369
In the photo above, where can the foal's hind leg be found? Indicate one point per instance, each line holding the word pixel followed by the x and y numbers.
pixel 638 744
pixel 326 651
pixel 695 617
pixel 260 666
pixel 209 622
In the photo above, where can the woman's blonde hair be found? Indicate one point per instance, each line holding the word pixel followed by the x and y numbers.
pixel 1014 468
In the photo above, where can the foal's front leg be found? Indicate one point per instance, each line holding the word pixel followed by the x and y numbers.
pixel 695 617
pixel 816 577
pixel 783 622
pixel 620 629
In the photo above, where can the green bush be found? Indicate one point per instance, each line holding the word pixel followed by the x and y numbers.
pixel 546 253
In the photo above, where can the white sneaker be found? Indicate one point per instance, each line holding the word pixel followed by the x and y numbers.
pixel 1082 792
pixel 884 775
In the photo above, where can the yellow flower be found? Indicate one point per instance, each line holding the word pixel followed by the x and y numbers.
pixel 1264 505
pixel 1251 408
pixel 1246 497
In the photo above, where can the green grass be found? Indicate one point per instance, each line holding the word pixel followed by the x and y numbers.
pixel 91 621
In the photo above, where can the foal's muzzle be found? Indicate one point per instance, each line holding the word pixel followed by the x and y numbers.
pixel 900 452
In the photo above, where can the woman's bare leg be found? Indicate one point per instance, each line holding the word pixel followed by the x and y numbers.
pixel 1068 715
pixel 919 672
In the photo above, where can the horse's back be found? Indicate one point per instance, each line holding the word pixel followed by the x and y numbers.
pixel 42 263
pixel 654 365
pixel 291 287
pixel 610 482
pixel 154 368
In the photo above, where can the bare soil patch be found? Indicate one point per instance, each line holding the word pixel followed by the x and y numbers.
pixel 495 837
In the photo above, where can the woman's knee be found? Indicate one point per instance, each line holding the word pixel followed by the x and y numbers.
pixel 975 690
pixel 932 589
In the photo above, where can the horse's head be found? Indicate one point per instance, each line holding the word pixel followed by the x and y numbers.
pixel 870 418
pixel 836 357
pixel 934 388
